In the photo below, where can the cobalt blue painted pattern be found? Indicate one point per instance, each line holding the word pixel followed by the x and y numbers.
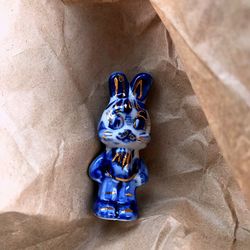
pixel 125 129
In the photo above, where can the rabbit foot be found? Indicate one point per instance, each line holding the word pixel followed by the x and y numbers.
pixel 105 210
pixel 127 212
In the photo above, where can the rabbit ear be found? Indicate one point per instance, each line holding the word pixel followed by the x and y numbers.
pixel 141 85
pixel 118 85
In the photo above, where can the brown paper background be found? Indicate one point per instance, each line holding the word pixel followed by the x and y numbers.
pixel 56 58
pixel 213 41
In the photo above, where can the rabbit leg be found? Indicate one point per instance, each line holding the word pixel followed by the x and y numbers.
pixel 105 205
pixel 127 205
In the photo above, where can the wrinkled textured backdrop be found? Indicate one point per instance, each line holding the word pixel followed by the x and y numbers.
pixel 55 60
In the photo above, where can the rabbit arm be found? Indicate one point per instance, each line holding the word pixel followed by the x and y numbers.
pixel 96 169
pixel 142 175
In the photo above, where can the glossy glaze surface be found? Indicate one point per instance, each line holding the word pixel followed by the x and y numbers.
pixel 125 129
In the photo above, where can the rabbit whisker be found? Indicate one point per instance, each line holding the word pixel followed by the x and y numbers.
pixel 107 131
pixel 142 139
pixel 107 134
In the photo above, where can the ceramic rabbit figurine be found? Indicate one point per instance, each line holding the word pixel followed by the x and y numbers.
pixel 125 129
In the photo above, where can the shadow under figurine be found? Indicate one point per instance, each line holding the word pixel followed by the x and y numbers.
pixel 125 129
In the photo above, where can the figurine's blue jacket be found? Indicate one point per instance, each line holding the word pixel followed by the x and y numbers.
pixel 117 183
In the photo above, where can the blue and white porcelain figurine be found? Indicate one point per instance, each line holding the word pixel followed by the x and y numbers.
pixel 125 129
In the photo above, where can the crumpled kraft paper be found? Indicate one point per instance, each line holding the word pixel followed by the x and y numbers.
pixel 55 60
pixel 213 41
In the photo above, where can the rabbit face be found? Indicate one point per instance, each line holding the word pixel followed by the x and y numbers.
pixel 125 122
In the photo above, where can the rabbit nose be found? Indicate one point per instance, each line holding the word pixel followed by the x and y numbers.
pixel 126 133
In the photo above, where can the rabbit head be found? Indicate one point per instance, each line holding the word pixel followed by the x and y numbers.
pixel 125 122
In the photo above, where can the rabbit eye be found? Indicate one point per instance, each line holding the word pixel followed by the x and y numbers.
pixel 139 123
pixel 116 122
